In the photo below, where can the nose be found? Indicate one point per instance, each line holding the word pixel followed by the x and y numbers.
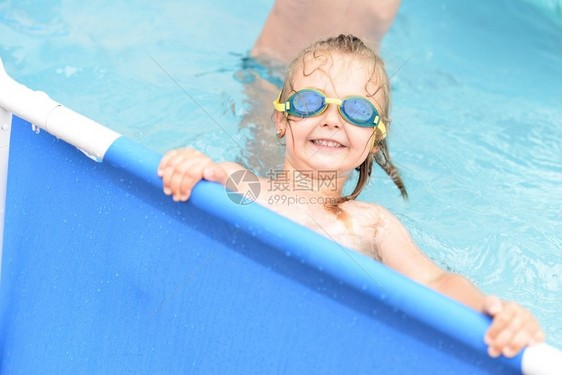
pixel 331 117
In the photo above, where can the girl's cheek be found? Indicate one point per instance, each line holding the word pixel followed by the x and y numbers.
pixel 362 138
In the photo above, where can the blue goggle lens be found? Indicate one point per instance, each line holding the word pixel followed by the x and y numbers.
pixel 307 103
pixel 359 110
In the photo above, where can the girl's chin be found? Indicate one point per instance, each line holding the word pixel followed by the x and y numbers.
pixel 332 166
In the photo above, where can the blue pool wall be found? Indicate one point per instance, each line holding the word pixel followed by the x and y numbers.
pixel 103 273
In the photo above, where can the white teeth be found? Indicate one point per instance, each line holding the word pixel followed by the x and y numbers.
pixel 326 143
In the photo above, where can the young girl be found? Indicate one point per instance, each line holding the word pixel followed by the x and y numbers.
pixel 333 112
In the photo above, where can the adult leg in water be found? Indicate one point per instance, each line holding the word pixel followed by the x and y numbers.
pixel 294 24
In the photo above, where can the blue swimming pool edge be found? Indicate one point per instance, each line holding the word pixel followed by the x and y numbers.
pixel 353 268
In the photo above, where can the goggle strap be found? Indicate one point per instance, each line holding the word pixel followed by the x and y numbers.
pixel 281 107
pixel 382 127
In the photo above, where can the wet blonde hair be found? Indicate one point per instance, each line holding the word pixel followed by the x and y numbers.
pixel 349 45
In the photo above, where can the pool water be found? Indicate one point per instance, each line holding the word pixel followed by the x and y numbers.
pixel 477 113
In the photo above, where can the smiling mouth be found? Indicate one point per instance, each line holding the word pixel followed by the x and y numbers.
pixel 327 143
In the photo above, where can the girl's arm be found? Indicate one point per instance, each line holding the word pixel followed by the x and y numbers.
pixel 513 327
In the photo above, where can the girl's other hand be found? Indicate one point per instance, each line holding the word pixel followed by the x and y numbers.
pixel 181 169
pixel 513 327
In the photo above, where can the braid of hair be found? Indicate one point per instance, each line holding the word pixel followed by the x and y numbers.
pixel 382 157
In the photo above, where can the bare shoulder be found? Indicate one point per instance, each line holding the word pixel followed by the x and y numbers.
pixel 374 213
pixel 387 231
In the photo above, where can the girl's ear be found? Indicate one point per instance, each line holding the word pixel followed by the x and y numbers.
pixel 280 124
pixel 279 119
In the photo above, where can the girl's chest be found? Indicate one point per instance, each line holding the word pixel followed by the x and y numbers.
pixel 352 229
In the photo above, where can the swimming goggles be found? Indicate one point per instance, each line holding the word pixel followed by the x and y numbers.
pixel 309 102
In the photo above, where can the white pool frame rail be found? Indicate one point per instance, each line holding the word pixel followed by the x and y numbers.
pixel 5 128
pixel 43 112
pixel 94 139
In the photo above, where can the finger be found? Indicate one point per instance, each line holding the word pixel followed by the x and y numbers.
pixel 498 346
pixel 500 322
pixel 182 162
pixel 172 168
pixel 492 305
pixel 539 337
pixel 174 157
pixel 189 173
pixel 185 176
pixel 522 338
pixel 185 185
pixel 165 160
pixel 211 172
pixel 493 352
pixel 505 338
pixel 170 160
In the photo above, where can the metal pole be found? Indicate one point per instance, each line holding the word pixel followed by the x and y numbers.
pixel 5 127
